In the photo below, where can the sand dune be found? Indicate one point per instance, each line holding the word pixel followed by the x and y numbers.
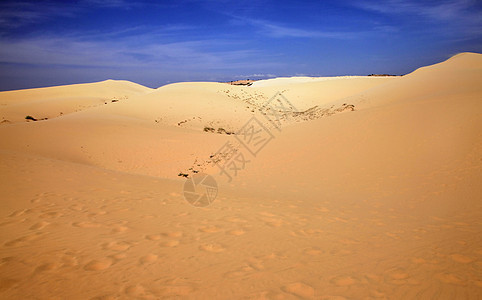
pixel 164 127
pixel 369 190
pixel 52 102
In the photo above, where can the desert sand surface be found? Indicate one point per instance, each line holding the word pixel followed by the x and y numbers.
pixel 358 188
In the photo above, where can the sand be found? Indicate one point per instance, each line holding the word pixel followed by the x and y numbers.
pixel 367 188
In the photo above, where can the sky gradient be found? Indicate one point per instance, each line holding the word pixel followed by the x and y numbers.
pixel 46 43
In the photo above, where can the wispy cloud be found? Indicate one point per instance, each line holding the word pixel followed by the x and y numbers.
pixel 136 51
pixel 438 10
pixel 461 16
pixel 14 14
pixel 17 14
pixel 277 30
pixel 144 33
pixel 125 4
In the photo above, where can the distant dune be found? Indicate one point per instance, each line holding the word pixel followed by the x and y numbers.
pixel 51 102
pixel 358 187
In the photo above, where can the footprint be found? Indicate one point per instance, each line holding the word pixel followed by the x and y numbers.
pixel 274 222
pixel 266 295
pixel 46 267
pixel 50 215
pixel 98 265
pixel 300 289
pixel 149 258
pixel 418 260
pixel 119 229
pixel 20 212
pixel 343 281
pixel 135 290
pixel 98 213
pixel 348 242
pixel 330 297
pixel 105 297
pixel 313 251
pixel 22 240
pixel 267 214
pixel 148 217
pixel 175 291
pixel 171 243
pixel 235 220
pixel 305 232
pixel 461 258
pixel 118 256
pixel 322 209
pixel 116 246
pixel 399 275
pixel 238 273
pixel 236 232
pixel 210 229
pixel 449 278
pixel 392 235
pixel 86 225
pixel 77 207
pixel 338 219
pixel 183 214
pixel 255 264
pixel 173 234
pixel 39 225
pixel 216 248
pixel 69 260
pixel 153 237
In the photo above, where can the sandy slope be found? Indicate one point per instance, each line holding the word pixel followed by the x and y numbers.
pixel 51 102
pixel 164 127
pixel 381 201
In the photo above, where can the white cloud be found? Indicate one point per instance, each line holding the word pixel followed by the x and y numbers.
pixel 439 10
pixel 126 4
pixel 17 14
pixel 456 20
pixel 277 30
pixel 141 51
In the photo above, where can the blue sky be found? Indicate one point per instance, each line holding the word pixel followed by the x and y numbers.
pixel 45 43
